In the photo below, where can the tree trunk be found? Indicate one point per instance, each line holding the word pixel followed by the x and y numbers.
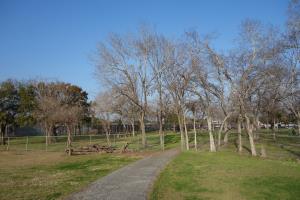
pixel 226 133
pixel 195 133
pixel 2 134
pixel 160 116
pixel 142 123
pixel 274 129
pixel 182 142
pixel 221 128
pixel 48 134
pixel 240 144
pixel 249 128
pixel 133 131
pixel 257 127
pixel 69 141
pixel 161 133
pixel 79 129
pixel 211 137
pixel 220 135
pixel 186 134
pixel 107 133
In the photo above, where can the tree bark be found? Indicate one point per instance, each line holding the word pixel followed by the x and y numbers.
pixel 107 137
pixel 161 133
pixel 2 132
pixel 226 133
pixel 160 116
pixel 49 134
pixel 161 137
pixel 69 141
pixel 249 128
pixel 182 142
pixel 142 123
pixel 257 127
pixel 274 129
pixel 239 126
pixel 133 131
pixel 186 134
pixel 195 133
pixel 220 130
pixel 211 137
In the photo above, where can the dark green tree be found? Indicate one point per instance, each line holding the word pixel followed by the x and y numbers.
pixel 9 104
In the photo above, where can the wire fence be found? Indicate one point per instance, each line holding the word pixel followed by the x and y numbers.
pixel 282 145
pixel 58 143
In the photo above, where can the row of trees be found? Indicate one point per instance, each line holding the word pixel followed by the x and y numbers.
pixel 256 81
pixel 49 104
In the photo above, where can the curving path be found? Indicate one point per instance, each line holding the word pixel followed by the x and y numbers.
pixel 131 182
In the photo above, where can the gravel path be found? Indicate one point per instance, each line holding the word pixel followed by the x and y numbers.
pixel 131 182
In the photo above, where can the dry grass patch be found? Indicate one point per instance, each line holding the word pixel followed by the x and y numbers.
pixel 53 175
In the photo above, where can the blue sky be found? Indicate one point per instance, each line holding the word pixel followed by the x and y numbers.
pixel 54 39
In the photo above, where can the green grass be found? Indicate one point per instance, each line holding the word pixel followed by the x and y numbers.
pixel 58 144
pixel 51 175
pixel 226 175
pixel 37 174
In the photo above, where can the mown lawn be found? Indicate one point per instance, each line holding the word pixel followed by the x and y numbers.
pixel 52 175
pixel 226 175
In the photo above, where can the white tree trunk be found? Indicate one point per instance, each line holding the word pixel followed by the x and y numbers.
pixel 274 129
pixel 195 133
pixel 249 128
pixel 226 133
pixel 186 134
pixel 221 128
pixel 69 141
pixel 182 142
pixel 133 131
pixel 257 127
pixel 211 137
pixel 240 144
pixel 161 134
pixel 107 137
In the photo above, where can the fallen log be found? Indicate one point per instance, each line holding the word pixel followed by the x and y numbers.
pixel 95 148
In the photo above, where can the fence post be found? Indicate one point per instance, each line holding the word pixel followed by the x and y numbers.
pixel 90 139
pixel 27 143
pixel 7 147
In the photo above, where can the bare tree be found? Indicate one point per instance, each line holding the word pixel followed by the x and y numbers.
pixel 104 111
pixel 123 66
pixel 249 77
pixel 177 80
pixel 292 55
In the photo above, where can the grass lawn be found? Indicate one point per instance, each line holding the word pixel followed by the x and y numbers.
pixel 52 175
pixel 226 175
pixel 37 174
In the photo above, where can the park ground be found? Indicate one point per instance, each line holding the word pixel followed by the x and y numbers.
pixel 37 174
pixel 225 175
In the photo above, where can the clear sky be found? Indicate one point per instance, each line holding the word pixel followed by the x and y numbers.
pixel 54 39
